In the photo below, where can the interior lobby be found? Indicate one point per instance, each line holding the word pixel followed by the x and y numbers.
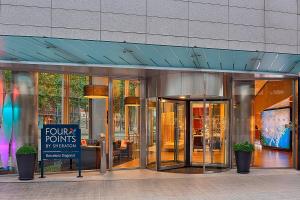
pixel 271 124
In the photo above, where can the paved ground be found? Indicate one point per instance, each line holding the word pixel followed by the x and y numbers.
pixel 145 184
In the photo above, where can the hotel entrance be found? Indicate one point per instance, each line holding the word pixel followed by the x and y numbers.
pixel 193 135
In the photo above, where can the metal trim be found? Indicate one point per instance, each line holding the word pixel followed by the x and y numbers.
pixel 294 151
pixel 158 134
pixel 45 64
pixel 110 122
pixel 142 124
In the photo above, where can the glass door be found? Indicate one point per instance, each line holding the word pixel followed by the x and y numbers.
pixel 209 134
pixel 198 133
pixel 151 133
pixel 171 134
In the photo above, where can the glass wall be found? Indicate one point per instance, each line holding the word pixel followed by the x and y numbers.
pixel 53 98
pixel 50 98
pixel 60 100
pixel 50 109
pixel 126 117
pixel 263 115
pixel 79 105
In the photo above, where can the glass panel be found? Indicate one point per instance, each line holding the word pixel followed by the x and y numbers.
pixel 263 115
pixel 216 135
pixel 50 110
pixel 198 130
pixel 126 135
pixel 172 133
pixel 78 113
pixel 78 105
pixel 151 133
pixel 209 123
pixel 50 98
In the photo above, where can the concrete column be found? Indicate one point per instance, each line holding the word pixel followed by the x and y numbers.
pixel 242 102
pixel 142 124
pixel 99 114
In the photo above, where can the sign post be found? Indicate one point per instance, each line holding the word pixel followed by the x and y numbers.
pixel 60 141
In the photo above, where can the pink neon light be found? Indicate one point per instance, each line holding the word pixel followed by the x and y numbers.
pixel 13 149
pixel 4 149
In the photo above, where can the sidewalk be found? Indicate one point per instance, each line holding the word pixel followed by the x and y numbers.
pixel 261 184
pixel 138 174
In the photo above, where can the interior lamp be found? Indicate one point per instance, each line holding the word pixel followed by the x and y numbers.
pixel 132 101
pixel 95 91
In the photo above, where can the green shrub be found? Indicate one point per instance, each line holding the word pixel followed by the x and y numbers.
pixel 246 146
pixel 26 149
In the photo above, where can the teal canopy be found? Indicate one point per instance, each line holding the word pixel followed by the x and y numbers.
pixel 25 49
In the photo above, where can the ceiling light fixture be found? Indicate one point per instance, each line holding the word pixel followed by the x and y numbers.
pixel 132 101
pixel 95 91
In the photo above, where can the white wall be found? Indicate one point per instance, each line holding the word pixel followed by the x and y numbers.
pixel 265 25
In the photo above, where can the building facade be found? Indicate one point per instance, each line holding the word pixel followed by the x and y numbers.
pixel 185 80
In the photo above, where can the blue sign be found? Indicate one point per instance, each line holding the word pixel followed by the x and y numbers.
pixel 60 141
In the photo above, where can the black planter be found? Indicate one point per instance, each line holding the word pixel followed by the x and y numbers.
pixel 243 161
pixel 26 166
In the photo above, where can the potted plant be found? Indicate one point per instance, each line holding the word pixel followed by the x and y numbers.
pixel 26 157
pixel 243 154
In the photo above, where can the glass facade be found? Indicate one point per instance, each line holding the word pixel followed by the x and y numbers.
pixel 126 131
pixel 264 114
pixel 60 100
pixel 191 130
